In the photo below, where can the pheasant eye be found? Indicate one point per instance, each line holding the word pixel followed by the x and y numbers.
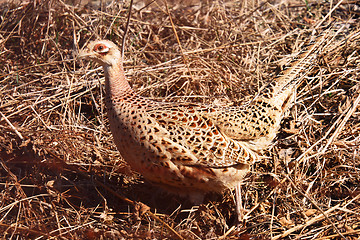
pixel 101 48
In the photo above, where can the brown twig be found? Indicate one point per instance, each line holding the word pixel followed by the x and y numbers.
pixel 178 41
pixel 126 29
pixel 11 125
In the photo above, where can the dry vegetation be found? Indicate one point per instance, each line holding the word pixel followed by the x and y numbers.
pixel 61 176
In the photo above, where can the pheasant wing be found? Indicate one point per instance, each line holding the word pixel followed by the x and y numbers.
pixel 188 127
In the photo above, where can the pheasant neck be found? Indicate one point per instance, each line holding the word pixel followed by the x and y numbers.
pixel 116 84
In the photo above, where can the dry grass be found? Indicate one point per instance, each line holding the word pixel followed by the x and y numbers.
pixel 61 176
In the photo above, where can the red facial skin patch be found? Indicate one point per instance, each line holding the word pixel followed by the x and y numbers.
pixel 101 48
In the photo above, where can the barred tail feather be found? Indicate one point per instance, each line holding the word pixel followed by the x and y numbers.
pixel 283 86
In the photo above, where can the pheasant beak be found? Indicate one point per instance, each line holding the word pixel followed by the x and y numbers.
pixel 84 53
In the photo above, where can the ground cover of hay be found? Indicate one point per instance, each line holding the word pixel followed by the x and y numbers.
pixel 61 176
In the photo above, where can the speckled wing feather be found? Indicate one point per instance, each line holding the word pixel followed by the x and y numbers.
pixel 189 127
pixel 254 124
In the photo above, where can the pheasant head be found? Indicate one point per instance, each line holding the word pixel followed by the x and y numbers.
pixel 108 55
pixel 103 52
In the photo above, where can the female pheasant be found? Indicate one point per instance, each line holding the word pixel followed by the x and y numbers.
pixel 187 148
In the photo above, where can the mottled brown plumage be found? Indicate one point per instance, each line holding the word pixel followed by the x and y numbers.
pixel 189 148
